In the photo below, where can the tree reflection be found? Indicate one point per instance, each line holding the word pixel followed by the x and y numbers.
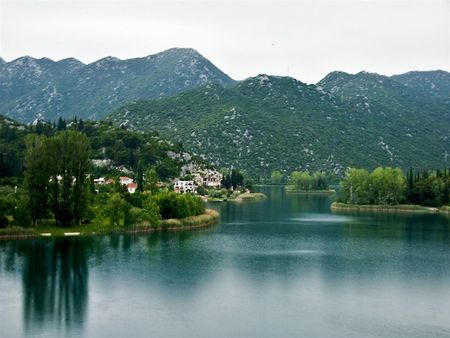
pixel 55 283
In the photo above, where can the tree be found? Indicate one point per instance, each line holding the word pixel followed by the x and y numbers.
pixel 140 177
pixel 355 187
pixel 37 176
pixel 388 185
pixel 320 181
pixel 61 124
pixel 115 209
pixel 152 210
pixel 276 177
pixel 151 180
pixel 69 162
pixel 382 186
pixel 302 180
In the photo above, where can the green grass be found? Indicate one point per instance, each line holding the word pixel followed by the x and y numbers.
pixel 15 231
pixel 249 196
pixel 209 217
pixel 382 208
pixel 290 188
pixel 101 226
pixel 445 208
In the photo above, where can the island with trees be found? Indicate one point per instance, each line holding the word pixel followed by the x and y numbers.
pixel 305 183
pixel 389 189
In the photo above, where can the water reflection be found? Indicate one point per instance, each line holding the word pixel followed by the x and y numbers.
pixel 54 282
pixel 287 257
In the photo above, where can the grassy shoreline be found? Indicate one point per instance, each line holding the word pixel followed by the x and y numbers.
pixel 249 196
pixel 291 189
pixel 336 206
pixel 209 218
pixel 244 197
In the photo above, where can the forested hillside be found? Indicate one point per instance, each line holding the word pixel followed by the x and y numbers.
pixel 266 122
pixel 113 149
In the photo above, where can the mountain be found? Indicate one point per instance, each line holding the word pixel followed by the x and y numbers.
pixel 42 88
pixel 266 123
pixel 433 83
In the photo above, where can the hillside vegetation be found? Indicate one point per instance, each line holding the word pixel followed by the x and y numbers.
pixel 267 123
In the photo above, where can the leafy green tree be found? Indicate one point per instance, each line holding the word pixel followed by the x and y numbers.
pixel 115 209
pixel 276 177
pixel 302 180
pixel 151 180
pixel 69 160
pixel 388 185
pixel 37 176
pixel 355 187
pixel 152 209
pixel 7 203
pixel 320 181
pixel 382 186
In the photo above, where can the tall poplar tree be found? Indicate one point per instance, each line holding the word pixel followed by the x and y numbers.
pixel 37 176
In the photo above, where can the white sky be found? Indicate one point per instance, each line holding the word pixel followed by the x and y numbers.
pixel 303 39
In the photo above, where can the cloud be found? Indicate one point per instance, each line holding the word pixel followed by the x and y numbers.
pixel 304 39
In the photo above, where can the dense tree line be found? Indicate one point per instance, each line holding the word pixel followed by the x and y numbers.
pixel 389 186
pixel 233 179
pixel 430 189
pixel 56 176
pixel 304 181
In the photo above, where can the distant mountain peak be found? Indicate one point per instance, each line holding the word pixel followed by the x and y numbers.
pixel 23 59
pixel 71 61
pixel 69 88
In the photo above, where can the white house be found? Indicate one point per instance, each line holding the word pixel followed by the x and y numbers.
pixel 184 186
pixel 212 179
pixel 131 187
pixel 125 180
pixel 99 181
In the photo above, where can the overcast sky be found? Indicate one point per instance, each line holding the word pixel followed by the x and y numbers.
pixel 303 39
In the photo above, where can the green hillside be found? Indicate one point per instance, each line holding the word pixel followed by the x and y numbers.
pixel 267 122
pixel 113 150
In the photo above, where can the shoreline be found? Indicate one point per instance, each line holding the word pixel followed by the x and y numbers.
pixel 209 218
pixel 310 192
pixel 403 208
pixel 245 197
pixel 249 197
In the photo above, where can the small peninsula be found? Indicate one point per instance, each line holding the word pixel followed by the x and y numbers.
pixel 387 189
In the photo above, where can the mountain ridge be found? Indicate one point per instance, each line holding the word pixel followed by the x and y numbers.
pixel 43 88
pixel 267 122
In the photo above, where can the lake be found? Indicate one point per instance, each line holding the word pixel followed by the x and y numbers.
pixel 283 267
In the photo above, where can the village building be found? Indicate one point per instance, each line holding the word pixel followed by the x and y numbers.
pixel 212 179
pixel 131 187
pixel 125 180
pixel 184 186
pixel 99 181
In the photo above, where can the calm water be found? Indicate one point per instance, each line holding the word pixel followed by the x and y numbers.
pixel 285 267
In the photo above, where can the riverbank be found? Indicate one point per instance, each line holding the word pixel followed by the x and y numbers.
pixel 291 189
pixel 249 196
pixel 207 219
pixel 244 197
pixel 445 209
pixel 336 206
